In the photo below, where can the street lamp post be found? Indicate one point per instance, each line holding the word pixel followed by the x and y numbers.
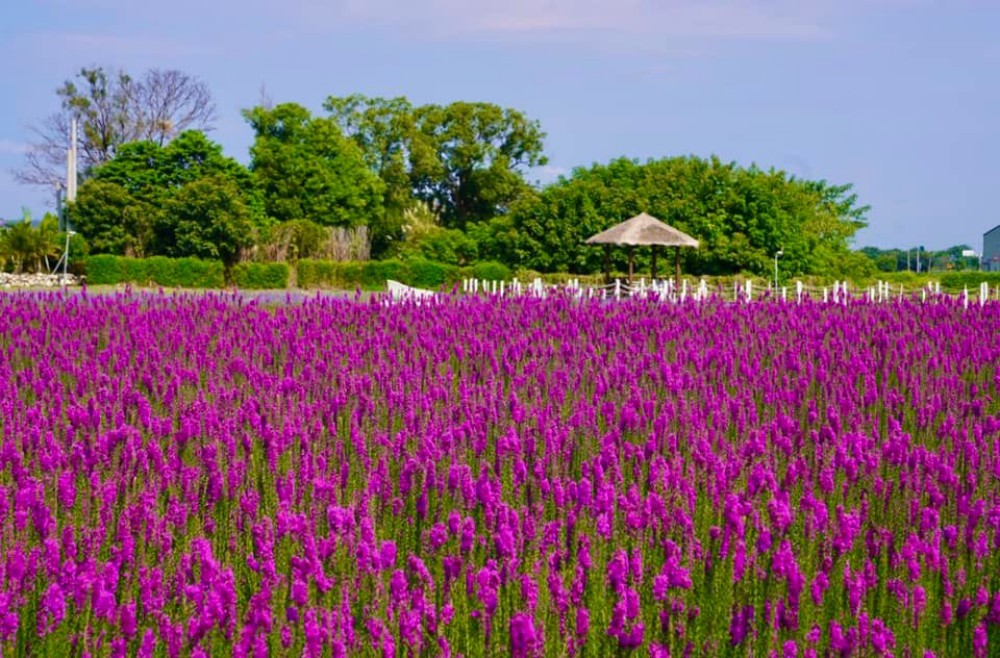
pixel 779 253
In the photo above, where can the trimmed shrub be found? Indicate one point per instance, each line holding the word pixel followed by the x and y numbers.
pixel 196 273
pixel 957 281
pixel 375 273
pixel 372 275
pixel 491 271
pixel 327 274
pixel 261 276
pixel 133 270
pixel 160 269
pixel 103 269
pixel 428 274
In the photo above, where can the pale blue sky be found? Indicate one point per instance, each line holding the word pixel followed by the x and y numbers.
pixel 899 97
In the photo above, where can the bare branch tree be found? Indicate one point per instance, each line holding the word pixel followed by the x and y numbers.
pixel 112 109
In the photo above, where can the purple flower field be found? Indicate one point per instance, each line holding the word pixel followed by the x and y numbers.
pixel 211 476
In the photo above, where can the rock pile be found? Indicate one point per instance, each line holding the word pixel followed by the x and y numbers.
pixel 37 280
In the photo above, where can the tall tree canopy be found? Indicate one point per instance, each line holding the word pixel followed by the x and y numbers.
pixel 308 169
pixel 467 161
pixel 182 199
pixel 742 216
pixel 206 218
pixel 114 108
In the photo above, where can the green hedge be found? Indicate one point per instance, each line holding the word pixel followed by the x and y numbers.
pixel 105 269
pixel 492 271
pixel 372 275
pixel 261 276
pixel 973 279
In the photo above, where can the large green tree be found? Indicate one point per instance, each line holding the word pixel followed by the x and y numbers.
pixel 308 169
pixel 742 216
pixel 206 218
pixel 112 220
pixel 481 153
pixel 148 199
pixel 385 131
pixel 466 161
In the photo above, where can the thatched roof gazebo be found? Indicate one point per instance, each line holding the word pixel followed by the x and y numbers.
pixel 643 230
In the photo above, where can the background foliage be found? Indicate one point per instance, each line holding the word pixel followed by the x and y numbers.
pixel 384 178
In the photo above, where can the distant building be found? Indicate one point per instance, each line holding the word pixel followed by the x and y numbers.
pixel 991 250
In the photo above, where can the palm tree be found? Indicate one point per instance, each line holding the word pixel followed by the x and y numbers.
pixel 27 247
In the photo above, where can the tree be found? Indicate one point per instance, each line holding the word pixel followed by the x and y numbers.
pixel 466 160
pixel 149 171
pixel 742 216
pixel 206 218
pixel 385 131
pixel 307 169
pixel 125 207
pixel 28 247
pixel 113 109
pixel 112 220
pixel 480 154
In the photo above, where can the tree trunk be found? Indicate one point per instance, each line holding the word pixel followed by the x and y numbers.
pixel 677 266
pixel 653 265
pixel 631 258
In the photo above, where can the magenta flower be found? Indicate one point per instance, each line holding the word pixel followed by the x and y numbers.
pixel 524 639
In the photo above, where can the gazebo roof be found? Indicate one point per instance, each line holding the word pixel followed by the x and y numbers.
pixel 644 229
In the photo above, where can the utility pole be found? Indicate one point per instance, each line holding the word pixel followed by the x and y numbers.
pixel 70 187
pixel 71 164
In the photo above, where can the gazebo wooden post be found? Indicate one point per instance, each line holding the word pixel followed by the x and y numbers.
pixel 643 230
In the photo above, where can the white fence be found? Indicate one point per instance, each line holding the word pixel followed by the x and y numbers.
pixel 666 290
